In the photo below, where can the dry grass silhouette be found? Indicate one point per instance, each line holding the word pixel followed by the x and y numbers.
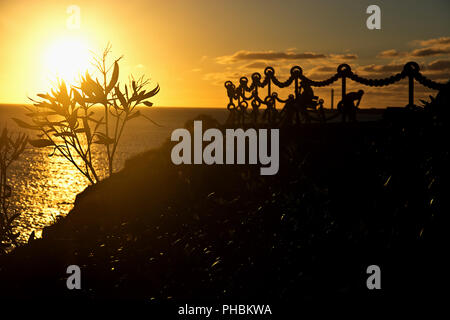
pixel 10 149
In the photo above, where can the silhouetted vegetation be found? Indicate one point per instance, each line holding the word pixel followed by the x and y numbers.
pixel 68 124
pixel 10 149
pixel 346 196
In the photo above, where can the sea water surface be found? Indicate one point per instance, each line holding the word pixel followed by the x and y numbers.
pixel 45 187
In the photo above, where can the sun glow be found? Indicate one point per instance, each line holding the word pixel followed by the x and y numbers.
pixel 66 59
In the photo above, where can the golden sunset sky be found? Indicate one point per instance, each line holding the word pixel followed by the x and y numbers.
pixel 191 47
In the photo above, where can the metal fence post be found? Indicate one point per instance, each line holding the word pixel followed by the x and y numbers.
pixel 411 90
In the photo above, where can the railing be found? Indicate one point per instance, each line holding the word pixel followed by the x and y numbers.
pixel 238 101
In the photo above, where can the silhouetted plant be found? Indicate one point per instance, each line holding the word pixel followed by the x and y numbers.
pixel 426 103
pixel 10 150
pixel 69 125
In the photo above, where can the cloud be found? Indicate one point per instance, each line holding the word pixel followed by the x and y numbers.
pixel 382 68
pixel 322 69
pixel 439 76
pixel 320 66
pixel 392 53
pixel 433 51
pixel 438 70
pixel 428 48
pixel 439 65
pixel 433 42
pixel 347 56
pixel 244 55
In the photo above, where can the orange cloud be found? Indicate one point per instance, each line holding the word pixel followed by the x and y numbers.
pixel 268 56
pixel 439 65
pixel 433 42
pixel 430 47
pixel 392 53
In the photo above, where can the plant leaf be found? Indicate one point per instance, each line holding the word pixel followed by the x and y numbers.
pixel 44 96
pixel 77 96
pixel 73 118
pixel 148 103
pixel 121 97
pixel 40 143
pixel 114 77
pixel 25 125
pixel 103 139
pixel 134 115
pixel 155 123
pixel 64 134
pixel 151 93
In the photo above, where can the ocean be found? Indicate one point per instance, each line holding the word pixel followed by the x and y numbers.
pixel 44 187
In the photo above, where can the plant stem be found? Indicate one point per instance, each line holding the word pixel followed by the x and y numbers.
pixel 105 85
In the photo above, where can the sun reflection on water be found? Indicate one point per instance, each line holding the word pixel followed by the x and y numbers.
pixel 48 186
pixel 44 188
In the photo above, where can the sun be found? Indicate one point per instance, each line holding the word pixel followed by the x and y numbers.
pixel 67 58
